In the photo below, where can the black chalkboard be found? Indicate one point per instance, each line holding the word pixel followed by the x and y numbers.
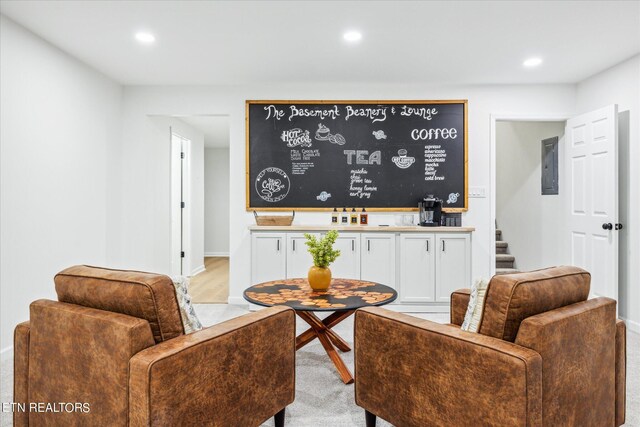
pixel 382 155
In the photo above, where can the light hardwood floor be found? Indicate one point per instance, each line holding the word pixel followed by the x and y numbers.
pixel 212 285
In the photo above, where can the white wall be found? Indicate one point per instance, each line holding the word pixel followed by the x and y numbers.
pixel 621 85
pixel 216 201
pixel 141 248
pixel 529 221
pixel 60 122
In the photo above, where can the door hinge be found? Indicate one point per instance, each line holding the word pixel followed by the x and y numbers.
pixel 182 155
pixel 182 254
pixel 182 205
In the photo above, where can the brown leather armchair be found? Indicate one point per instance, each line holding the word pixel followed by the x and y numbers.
pixel 115 341
pixel 544 356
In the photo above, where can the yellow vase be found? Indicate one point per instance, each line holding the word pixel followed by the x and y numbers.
pixel 319 278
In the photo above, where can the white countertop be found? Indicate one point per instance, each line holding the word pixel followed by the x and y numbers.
pixel 362 228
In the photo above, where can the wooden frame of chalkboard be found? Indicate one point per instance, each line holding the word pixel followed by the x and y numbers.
pixel 281 147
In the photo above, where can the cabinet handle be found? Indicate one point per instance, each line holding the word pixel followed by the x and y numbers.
pixel 294 246
pixel 443 246
pixel 278 245
pixel 353 246
pixel 368 245
pixel 427 246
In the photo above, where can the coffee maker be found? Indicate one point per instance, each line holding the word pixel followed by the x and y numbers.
pixel 430 211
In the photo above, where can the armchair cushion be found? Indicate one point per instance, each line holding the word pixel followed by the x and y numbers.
pixel 511 298
pixel 148 296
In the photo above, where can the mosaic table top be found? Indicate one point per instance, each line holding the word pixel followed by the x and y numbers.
pixel 343 294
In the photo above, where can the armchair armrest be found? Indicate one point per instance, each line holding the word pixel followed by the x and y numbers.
pixel 413 372
pixel 577 343
pixel 238 372
pixel 459 303
pixel 21 371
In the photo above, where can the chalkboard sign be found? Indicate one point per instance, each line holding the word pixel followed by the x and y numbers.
pixel 382 155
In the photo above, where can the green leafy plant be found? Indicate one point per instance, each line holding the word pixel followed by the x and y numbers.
pixel 322 249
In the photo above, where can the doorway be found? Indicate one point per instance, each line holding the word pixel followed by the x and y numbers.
pixel 588 188
pixel 211 283
pixel 528 210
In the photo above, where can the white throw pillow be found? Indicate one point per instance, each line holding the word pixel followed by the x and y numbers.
pixel 476 306
pixel 190 320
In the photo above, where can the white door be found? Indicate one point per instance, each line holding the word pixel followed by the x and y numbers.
pixel 417 268
pixel 347 265
pixel 591 176
pixel 453 264
pixel 379 258
pixel 299 260
pixel 268 257
pixel 177 211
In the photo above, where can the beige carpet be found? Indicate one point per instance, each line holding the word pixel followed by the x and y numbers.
pixel 212 285
pixel 322 400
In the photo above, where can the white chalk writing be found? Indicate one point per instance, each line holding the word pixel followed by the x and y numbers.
pixel 363 157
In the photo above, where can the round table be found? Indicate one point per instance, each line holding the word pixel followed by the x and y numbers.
pixel 344 297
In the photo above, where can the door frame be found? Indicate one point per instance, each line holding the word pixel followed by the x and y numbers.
pixel 495 117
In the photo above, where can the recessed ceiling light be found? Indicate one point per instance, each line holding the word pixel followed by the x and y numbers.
pixel 145 38
pixel 532 62
pixel 352 36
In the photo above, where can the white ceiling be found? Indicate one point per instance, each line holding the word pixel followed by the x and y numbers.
pixel 268 42
pixel 215 129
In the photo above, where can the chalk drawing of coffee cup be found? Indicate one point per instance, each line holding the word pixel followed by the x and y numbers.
pixel 401 160
pixel 453 197
pixel 323 133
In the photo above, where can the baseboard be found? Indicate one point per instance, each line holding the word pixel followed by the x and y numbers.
pixel 417 308
pixel 631 325
pixel 216 254
pixel 6 353
pixel 238 301
pixel 199 269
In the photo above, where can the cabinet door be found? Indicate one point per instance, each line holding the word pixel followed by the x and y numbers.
pixel 347 266
pixel 268 257
pixel 379 258
pixel 299 260
pixel 417 268
pixel 453 264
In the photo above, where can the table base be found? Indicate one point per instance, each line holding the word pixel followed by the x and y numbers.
pixel 321 329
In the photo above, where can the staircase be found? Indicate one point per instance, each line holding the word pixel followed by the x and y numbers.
pixel 504 261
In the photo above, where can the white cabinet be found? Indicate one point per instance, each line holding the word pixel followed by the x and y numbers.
pixel 417 273
pixel 268 257
pixel 423 265
pixel 299 260
pixel 453 264
pixel 347 266
pixel 378 259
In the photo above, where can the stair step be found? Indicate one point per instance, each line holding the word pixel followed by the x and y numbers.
pixel 501 247
pixel 498 234
pixel 504 260
pixel 500 271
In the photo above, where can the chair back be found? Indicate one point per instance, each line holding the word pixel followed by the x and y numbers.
pixel 511 298
pixel 148 296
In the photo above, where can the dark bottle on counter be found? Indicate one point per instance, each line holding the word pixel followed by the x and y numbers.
pixel 345 217
pixel 334 216
pixel 354 216
pixel 364 217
